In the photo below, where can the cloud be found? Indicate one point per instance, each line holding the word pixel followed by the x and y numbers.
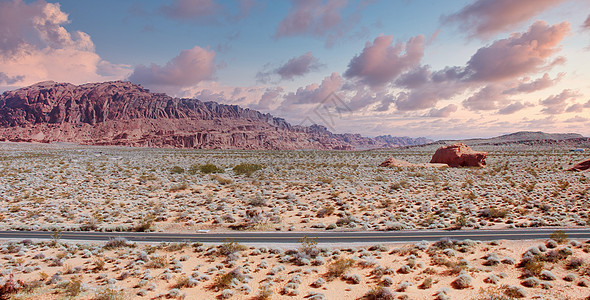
pixel 488 98
pixel 314 93
pixel 535 85
pixel 495 71
pixel 576 107
pixel 299 66
pixel 190 9
pixel 320 18
pixel 10 80
pixel 269 99
pixel 586 25
pixel 35 46
pixel 381 62
pixel 587 104
pixel 312 17
pixel 295 67
pixel 513 107
pixel 484 18
pixel 444 112
pixel 188 68
pixel 517 55
pixel 555 104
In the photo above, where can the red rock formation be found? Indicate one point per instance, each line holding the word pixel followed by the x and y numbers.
pixel 582 166
pixel 459 155
pixel 121 113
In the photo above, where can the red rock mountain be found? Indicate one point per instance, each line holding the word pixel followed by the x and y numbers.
pixel 122 113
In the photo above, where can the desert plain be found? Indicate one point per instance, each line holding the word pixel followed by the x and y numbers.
pixel 68 187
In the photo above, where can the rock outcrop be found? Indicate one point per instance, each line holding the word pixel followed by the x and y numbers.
pixel 581 166
pixel 459 155
pixel 121 113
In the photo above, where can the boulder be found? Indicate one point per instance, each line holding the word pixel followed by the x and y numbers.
pixel 459 155
pixel 582 166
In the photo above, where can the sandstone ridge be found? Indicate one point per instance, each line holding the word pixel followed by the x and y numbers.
pixel 126 114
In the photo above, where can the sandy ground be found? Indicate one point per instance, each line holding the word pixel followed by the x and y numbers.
pixel 70 187
pixel 49 270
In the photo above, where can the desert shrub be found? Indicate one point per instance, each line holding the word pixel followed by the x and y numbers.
pixel 73 287
pixel 339 267
pixel 462 281
pixel 117 242
pixel 325 211
pixel 222 180
pixel 514 291
pixel 230 247
pixel 427 283
pixel 99 264
pixel 224 281
pixel 247 169
pixel 574 263
pixel 309 246
pixel 557 255
pixel 10 287
pixel 493 213
pixel 32 286
pixel 157 262
pixel 258 201
pixel 205 169
pixel 176 170
pixel 531 266
pixel 145 224
pixel 110 293
pixel 379 293
pixel 264 292
pixel 559 236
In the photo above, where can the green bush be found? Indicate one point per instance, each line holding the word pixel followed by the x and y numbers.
pixel 176 170
pixel 247 169
pixel 205 169
pixel 559 236
pixel 339 267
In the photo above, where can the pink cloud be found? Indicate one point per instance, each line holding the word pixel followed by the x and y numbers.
pixel 535 85
pixel 299 66
pixel 444 112
pixel 587 23
pixel 519 54
pixel 555 104
pixel 190 9
pixel 311 17
pixel 314 93
pixel 269 99
pixel 513 107
pixel 381 62
pixel 188 68
pixel 488 98
pixel 576 107
pixel 35 46
pixel 484 18
pixel 295 67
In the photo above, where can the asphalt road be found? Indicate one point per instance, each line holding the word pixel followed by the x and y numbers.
pixel 276 237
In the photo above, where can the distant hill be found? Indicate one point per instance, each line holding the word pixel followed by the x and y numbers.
pixel 126 114
pixel 528 138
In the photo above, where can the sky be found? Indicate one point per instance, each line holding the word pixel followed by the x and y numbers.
pixel 439 69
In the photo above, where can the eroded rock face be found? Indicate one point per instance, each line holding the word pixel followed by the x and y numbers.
pixel 122 113
pixel 459 155
pixel 582 166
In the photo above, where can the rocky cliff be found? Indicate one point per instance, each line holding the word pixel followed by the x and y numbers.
pixel 121 113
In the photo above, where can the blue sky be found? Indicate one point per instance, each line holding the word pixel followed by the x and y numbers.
pixel 441 69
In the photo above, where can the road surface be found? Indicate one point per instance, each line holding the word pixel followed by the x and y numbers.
pixel 275 237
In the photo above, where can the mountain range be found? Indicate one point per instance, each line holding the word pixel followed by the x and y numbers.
pixel 126 114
